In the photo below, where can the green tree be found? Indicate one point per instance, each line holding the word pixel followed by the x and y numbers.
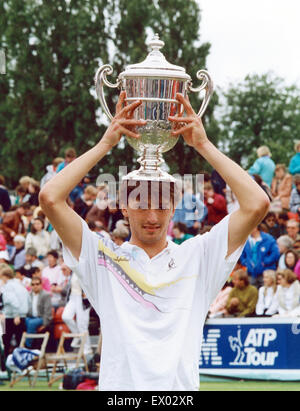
pixel 261 110
pixel 52 50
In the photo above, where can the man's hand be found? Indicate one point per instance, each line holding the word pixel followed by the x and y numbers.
pixel 190 127
pixel 17 321
pixel 123 122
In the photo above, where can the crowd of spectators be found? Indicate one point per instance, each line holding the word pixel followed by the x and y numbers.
pixel 36 284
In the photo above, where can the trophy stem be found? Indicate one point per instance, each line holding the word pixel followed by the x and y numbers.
pixel 151 159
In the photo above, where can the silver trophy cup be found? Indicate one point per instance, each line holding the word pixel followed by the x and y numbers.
pixel 155 82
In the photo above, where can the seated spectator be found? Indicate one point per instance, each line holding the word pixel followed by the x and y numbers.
pixel 295 196
pixel 282 219
pixel 218 307
pixel 38 238
pixel 294 166
pixel 260 253
pixel 37 273
pixel 292 228
pixel 15 300
pixel 215 204
pixel 84 203
pixel 12 224
pixel 97 227
pixel 40 310
pixel 243 297
pixel 4 195
pixel 284 243
pixel 51 170
pixel 290 259
pixel 231 200
pixel 288 292
pixel 2 242
pixel 115 214
pixel 28 217
pixel 219 185
pixel 281 187
pixel 296 247
pixel 266 294
pixel 264 166
pixel 70 155
pixel 24 280
pixel 21 195
pixel 180 233
pixel 18 258
pixel 31 261
pixel 55 275
pixel 270 222
pixel 33 191
pixel 119 235
pixel 100 211
pixel 263 185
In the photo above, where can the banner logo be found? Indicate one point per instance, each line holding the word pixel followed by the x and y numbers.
pixel 250 352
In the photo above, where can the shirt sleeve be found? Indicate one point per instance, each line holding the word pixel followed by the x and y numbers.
pixel 218 267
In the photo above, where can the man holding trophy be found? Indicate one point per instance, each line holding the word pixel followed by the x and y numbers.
pixel 152 295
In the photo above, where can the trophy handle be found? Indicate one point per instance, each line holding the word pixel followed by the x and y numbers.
pixel 100 81
pixel 206 85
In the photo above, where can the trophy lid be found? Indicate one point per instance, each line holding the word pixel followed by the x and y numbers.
pixel 155 65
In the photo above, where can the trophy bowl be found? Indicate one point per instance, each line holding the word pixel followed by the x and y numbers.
pixel 155 82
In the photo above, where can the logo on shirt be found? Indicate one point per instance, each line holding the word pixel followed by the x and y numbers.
pixel 171 264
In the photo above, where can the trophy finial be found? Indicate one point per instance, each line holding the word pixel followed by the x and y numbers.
pixel 156 44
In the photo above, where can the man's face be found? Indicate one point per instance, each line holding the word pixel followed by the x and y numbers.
pixel 36 285
pixel 237 282
pixel 292 229
pixel 18 244
pixel 51 260
pixel 148 226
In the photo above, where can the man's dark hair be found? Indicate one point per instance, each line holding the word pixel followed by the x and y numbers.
pixel 149 194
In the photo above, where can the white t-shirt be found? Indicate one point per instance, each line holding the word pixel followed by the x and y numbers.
pixel 152 311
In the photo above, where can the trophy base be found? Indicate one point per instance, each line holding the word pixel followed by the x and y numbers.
pixel 143 174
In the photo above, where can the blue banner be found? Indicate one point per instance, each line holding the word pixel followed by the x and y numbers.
pixel 253 345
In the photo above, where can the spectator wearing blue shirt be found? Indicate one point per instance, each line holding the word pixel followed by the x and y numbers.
pixel 260 253
pixel 294 166
pixel 264 166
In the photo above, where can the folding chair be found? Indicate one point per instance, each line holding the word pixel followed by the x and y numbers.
pixel 40 362
pixel 66 357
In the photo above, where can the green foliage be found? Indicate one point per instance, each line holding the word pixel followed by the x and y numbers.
pixel 52 52
pixel 53 49
pixel 261 110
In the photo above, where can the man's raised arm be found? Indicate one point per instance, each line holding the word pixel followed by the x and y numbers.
pixel 53 196
pixel 253 201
